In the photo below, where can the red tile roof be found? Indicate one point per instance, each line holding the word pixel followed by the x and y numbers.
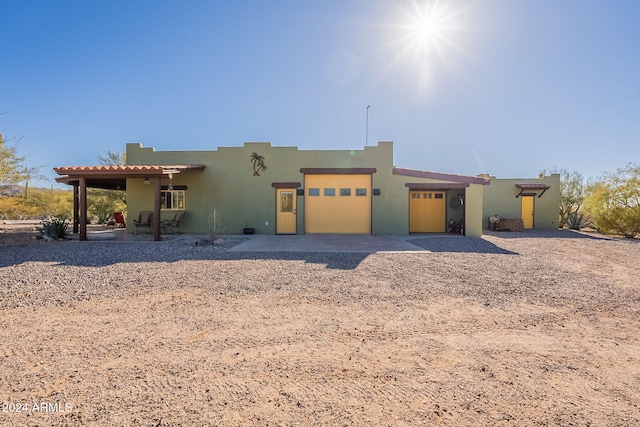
pixel 82 170
pixel 125 170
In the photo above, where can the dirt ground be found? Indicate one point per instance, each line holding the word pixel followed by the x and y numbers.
pixel 517 329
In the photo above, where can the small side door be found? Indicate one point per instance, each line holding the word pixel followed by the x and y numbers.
pixel 286 218
pixel 527 211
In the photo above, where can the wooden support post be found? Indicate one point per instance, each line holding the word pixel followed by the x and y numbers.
pixel 156 209
pixel 76 207
pixel 83 208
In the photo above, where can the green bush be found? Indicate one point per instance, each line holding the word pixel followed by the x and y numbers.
pixel 572 194
pixel 620 220
pixel 614 202
pixel 44 203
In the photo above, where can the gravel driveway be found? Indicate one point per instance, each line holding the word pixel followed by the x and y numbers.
pixel 536 328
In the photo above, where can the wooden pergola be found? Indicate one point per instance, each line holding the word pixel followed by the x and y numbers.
pixel 115 178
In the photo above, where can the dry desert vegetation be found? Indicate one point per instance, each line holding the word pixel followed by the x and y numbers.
pixel 534 329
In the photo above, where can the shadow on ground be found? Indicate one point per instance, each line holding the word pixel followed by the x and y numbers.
pixel 460 245
pixel 103 254
pixel 332 260
pixel 106 253
pixel 547 234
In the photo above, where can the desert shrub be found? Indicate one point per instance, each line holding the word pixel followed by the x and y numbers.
pixel 54 228
pixel 577 220
pixel 13 208
pixel 614 202
pixel 46 203
pixel 572 194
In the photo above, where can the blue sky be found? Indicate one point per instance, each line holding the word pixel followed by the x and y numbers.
pixel 487 86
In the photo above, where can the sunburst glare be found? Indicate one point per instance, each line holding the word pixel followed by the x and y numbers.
pixel 425 36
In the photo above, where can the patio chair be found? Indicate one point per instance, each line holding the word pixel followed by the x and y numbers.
pixel 173 223
pixel 117 218
pixel 145 219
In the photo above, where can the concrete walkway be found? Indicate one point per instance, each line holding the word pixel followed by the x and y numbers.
pixel 326 243
pixel 354 243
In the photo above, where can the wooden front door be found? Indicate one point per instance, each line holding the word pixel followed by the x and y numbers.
pixel 286 211
pixel 527 211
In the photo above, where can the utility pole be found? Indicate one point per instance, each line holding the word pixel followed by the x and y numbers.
pixel 366 142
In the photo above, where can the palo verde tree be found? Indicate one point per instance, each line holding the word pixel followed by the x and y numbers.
pixel 614 202
pixel 13 169
pixel 43 203
pixel 573 189
pixel 102 203
pixel 113 158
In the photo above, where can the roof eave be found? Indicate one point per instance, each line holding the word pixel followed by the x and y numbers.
pixel 416 173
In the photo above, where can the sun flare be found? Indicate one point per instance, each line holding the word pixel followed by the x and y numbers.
pixel 425 37
pixel 426 28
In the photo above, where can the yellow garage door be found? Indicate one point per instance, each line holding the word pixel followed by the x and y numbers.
pixel 337 203
pixel 427 210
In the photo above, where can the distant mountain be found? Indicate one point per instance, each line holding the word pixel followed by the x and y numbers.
pixel 14 190
pixel 11 190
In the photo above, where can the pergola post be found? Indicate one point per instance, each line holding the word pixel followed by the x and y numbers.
pixel 76 206
pixel 83 208
pixel 156 209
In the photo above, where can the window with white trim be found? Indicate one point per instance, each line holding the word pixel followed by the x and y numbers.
pixel 172 200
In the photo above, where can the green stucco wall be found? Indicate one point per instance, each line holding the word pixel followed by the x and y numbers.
pixel 241 199
pixel 228 185
pixel 391 214
pixel 500 198
pixel 473 209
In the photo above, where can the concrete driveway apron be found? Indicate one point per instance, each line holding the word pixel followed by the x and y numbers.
pixel 326 243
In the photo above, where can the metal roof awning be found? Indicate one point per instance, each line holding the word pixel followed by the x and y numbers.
pixel 532 186
pixel 441 176
pixel 435 186
pixel 336 171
